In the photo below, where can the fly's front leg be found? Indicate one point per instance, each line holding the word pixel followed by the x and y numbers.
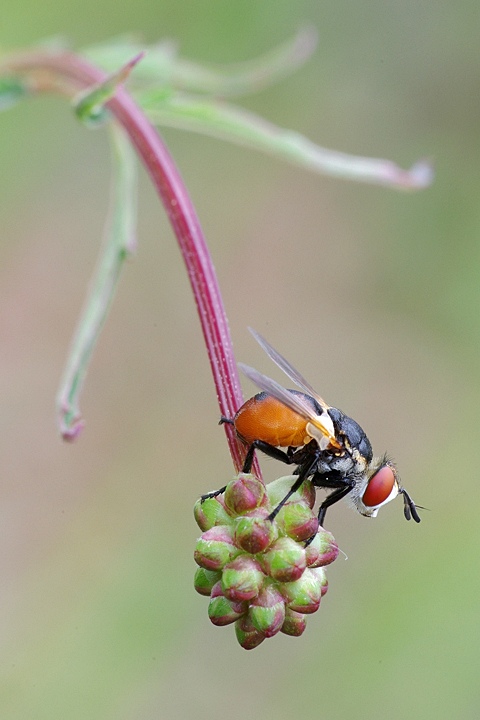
pixel 342 487
pixel 247 465
pixel 304 472
pixel 291 457
pixel 334 497
pixel 212 494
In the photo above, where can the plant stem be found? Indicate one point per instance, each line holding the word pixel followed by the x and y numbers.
pixel 118 245
pixel 69 74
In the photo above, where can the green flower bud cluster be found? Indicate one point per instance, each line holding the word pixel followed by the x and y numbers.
pixel 258 573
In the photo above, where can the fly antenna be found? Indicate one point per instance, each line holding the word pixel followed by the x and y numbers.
pixel 409 507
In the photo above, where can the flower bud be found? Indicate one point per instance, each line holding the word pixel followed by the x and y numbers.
pixel 294 623
pixel 247 634
pixel 285 561
pixel 304 594
pixel 297 520
pixel 321 576
pixel 279 488
pixel 267 610
pixel 209 513
pixel 244 493
pixel 254 532
pixel 242 578
pixel 230 514
pixel 223 611
pixel 323 549
pixel 205 580
pixel 258 572
pixel 215 548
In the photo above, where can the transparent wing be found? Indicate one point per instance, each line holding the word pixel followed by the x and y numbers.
pixel 288 369
pixel 295 402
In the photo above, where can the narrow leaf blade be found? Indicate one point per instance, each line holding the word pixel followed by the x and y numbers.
pixel 119 244
pixel 227 122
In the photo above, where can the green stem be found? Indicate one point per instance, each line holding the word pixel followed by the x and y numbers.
pixel 64 72
pixel 119 244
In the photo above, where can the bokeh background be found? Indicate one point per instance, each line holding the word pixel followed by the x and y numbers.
pixel 373 294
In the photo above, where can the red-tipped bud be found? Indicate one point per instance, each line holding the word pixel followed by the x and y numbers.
pixel 210 513
pixel 223 611
pixel 254 532
pixel 205 580
pixel 297 520
pixel 258 572
pixel 294 623
pixel 242 578
pixel 321 576
pixel 247 634
pixel 215 548
pixel 279 488
pixel 244 493
pixel 323 549
pixel 304 594
pixel 285 561
pixel 229 513
pixel 267 610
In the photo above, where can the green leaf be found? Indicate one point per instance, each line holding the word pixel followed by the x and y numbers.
pixel 156 67
pixel 162 65
pixel 119 244
pixel 227 122
pixel 89 105
pixel 250 76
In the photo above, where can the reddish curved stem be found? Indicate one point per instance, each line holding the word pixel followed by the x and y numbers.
pixel 70 74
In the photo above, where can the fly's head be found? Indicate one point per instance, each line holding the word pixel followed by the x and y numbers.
pixel 378 486
pixel 375 480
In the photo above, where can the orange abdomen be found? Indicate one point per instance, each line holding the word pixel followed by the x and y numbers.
pixel 265 418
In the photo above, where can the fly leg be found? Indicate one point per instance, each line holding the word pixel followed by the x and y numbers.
pixel 305 470
pixel 304 459
pixel 247 465
pixel 269 450
pixel 212 494
pixel 342 487
pixel 289 458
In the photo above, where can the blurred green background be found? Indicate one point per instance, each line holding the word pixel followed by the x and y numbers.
pixel 373 294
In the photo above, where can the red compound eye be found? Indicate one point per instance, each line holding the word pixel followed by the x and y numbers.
pixel 379 487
